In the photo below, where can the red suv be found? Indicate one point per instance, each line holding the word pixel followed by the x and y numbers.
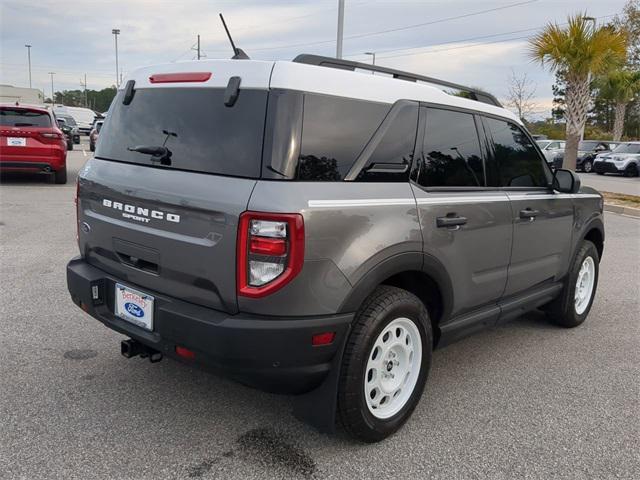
pixel 30 140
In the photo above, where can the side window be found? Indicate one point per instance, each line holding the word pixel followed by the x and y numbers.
pixel 451 154
pixel 334 132
pixel 391 160
pixel 553 146
pixel 514 162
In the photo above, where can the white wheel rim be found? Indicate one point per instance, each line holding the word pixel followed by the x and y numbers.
pixel 393 367
pixel 584 285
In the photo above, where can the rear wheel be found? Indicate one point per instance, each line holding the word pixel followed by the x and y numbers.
pixel 60 176
pixel 587 166
pixel 92 147
pixel 70 145
pixel 573 305
pixel 385 364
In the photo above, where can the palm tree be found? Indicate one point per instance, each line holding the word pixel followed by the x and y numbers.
pixel 621 87
pixel 580 51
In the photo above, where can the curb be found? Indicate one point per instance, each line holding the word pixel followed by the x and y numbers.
pixel 632 212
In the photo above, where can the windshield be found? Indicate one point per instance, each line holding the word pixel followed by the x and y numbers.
pixel 19 117
pixel 627 148
pixel 200 132
pixel 543 143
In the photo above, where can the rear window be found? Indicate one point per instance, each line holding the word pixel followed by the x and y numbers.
pixel 201 133
pixel 19 117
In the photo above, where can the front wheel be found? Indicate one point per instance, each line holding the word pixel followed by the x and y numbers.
pixel 631 170
pixel 385 364
pixel 587 166
pixel 572 307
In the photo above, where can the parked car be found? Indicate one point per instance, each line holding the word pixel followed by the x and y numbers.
pixel 93 136
pixel 587 151
pixel 306 228
pixel 68 132
pixel 551 149
pixel 624 159
pixel 70 121
pixel 30 140
pixel 84 117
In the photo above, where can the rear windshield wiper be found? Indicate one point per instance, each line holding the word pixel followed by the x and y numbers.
pixel 158 153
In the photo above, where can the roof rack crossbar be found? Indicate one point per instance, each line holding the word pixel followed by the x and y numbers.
pixel 473 93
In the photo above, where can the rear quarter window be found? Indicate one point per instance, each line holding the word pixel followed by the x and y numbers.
pixel 334 132
pixel 202 133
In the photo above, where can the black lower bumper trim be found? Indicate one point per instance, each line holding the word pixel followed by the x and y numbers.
pixel 273 354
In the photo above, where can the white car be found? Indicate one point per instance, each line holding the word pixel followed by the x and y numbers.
pixel 624 159
pixel 84 117
pixel 551 149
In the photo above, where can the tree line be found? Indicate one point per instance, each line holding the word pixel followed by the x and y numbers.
pixel 98 100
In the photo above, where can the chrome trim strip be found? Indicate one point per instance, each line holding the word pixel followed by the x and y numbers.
pixel 448 200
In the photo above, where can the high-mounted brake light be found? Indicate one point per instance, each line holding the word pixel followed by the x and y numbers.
pixel 270 251
pixel 180 77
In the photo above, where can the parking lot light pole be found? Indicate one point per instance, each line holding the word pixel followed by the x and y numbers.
pixel 53 97
pixel 29 59
pixel 340 28
pixel 116 32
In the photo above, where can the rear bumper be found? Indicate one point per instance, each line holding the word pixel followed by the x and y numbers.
pixel 606 167
pixel 273 354
pixel 40 166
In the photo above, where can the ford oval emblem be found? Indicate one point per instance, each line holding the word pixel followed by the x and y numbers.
pixel 134 309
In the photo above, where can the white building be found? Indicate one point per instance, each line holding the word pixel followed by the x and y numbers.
pixel 11 94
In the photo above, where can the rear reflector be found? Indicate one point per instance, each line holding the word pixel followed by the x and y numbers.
pixel 325 338
pixel 185 353
pixel 180 77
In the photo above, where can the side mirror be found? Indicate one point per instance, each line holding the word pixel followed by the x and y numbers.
pixel 566 181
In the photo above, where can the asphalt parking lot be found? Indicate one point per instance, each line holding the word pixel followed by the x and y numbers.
pixel 526 400
pixel 611 183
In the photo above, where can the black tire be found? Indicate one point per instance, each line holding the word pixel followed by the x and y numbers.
pixel 600 173
pixel 562 311
pixel 587 166
pixel 631 170
pixel 76 140
pixel 381 308
pixel 70 145
pixel 92 147
pixel 60 177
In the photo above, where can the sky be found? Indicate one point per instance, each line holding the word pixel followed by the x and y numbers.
pixel 477 43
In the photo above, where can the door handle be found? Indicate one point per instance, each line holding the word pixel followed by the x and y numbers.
pixel 451 220
pixel 528 213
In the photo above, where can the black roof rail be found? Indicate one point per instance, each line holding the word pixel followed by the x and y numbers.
pixel 471 93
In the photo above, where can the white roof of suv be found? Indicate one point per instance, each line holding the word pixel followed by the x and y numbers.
pixel 309 78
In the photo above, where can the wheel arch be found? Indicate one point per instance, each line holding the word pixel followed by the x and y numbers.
pixel 594 232
pixel 416 272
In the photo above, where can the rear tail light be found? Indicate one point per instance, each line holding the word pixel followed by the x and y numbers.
pixel 77 202
pixel 51 135
pixel 270 251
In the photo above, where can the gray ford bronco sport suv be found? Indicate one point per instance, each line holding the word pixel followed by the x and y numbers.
pixel 309 228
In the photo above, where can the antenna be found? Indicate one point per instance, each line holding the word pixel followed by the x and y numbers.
pixel 238 53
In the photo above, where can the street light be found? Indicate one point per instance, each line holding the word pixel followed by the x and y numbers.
pixel 53 97
pixel 373 54
pixel 116 32
pixel 29 57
